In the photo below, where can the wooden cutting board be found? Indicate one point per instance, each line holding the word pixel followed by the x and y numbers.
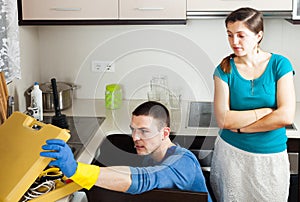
pixel 20 147
pixel 3 98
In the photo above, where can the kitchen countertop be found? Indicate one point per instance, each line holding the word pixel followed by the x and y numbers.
pixel 117 121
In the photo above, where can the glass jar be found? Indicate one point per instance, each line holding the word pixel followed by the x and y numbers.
pixel 113 96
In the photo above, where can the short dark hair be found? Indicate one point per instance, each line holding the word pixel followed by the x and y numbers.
pixel 154 109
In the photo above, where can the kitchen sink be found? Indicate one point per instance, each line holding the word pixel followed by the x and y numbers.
pixel 118 149
pixel 82 129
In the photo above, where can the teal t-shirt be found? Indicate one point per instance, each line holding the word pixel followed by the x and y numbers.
pixel 253 94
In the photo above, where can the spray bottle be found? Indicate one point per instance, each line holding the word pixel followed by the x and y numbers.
pixel 37 102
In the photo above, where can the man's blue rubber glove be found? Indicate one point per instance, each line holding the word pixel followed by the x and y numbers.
pixel 63 155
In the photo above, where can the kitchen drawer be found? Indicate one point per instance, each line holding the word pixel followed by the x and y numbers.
pixel 155 9
pixel 230 5
pixel 69 9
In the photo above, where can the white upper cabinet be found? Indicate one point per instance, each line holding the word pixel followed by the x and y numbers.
pixel 69 9
pixel 152 9
pixel 230 5
pixel 60 11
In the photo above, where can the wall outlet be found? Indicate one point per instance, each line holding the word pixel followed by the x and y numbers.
pixel 103 66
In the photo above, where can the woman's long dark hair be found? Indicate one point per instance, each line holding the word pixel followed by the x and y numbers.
pixel 253 20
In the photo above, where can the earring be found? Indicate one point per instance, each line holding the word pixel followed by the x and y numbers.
pixel 257 51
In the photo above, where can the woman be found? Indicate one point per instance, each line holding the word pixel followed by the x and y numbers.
pixel 254 100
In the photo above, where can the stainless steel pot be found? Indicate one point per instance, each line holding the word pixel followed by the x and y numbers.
pixel 65 95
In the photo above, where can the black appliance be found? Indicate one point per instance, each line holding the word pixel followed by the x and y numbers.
pixel 82 129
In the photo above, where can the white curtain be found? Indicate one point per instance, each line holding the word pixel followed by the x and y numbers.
pixel 9 40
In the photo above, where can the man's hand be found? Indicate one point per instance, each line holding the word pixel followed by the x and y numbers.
pixel 63 155
pixel 83 174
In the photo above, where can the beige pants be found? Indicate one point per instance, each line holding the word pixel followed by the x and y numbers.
pixel 240 176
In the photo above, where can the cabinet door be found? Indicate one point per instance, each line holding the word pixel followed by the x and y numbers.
pixel 230 5
pixel 69 9
pixel 152 9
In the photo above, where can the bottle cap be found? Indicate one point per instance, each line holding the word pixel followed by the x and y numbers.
pixel 113 87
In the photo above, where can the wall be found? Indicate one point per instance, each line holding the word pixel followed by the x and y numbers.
pixel 187 54
pixel 30 70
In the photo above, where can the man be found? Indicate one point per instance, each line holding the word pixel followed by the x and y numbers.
pixel 168 166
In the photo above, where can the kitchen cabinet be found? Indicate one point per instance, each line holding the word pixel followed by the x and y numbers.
pixel 229 5
pixel 221 8
pixel 69 10
pixel 105 195
pixel 293 146
pixel 155 9
pixel 98 12
pixel 117 149
pixel 296 13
